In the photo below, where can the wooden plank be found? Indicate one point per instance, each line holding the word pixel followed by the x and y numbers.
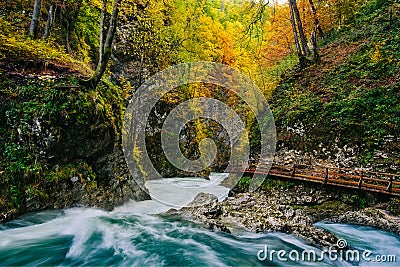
pixel 375 179
pixel 383 173
pixel 309 177
pixel 335 181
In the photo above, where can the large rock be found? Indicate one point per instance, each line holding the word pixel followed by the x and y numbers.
pixel 291 210
pixel 257 213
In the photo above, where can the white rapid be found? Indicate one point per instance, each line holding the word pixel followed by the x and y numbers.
pixel 134 235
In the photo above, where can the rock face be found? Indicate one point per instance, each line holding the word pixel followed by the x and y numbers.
pixel 113 186
pixel 189 142
pixel 290 210
pixel 61 146
pixel 95 145
pixel 206 209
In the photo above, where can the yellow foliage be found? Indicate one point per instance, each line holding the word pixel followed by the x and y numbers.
pixel 15 45
pixel 376 53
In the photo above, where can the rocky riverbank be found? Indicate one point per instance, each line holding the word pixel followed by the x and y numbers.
pixel 293 210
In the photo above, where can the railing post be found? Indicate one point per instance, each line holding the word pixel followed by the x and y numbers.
pixel 326 175
pixel 294 170
pixel 361 179
pixel 389 188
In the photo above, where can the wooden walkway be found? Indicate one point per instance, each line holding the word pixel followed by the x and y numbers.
pixel 385 183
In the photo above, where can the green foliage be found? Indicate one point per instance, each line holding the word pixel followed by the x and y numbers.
pixel 274 183
pixel 85 33
pixel 268 184
pixel 78 169
pixel 394 206
pixel 359 201
pixel 352 97
pixel 30 104
pixel 15 45
pixel 244 183
pixel 75 29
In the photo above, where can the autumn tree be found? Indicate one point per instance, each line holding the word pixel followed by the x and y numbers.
pixel 299 37
pixel 106 39
pixel 317 25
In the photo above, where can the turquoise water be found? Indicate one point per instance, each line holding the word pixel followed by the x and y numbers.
pixel 132 235
pixel 94 237
pixel 362 238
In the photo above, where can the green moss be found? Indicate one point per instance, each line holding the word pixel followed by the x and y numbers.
pixel 244 183
pixel 326 207
pixel 274 183
pixel 55 105
pixel 394 206
pixel 351 97
pixel 15 45
pixel 268 184
pixel 79 169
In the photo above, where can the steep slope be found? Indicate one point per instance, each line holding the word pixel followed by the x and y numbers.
pixel 346 109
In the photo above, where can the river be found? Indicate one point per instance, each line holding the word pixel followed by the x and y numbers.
pixel 134 235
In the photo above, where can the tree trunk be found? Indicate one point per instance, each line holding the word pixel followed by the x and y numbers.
pixel 33 30
pixel 105 44
pixel 314 44
pixel 294 28
pixel 102 31
pixel 316 21
pixel 67 44
pixel 50 20
pixel 306 50
pixel 300 49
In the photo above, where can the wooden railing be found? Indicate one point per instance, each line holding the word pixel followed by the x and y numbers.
pixel 386 183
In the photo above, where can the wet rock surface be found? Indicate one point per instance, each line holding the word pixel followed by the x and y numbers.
pixel 256 212
pixel 374 217
pixel 292 211
pixel 91 169
pixel 113 186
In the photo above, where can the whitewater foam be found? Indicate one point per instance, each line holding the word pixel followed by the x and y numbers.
pixel 175 193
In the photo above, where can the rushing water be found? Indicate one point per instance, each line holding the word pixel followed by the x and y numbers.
pixel 131 236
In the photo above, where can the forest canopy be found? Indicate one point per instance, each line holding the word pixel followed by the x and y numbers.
pixel 257 37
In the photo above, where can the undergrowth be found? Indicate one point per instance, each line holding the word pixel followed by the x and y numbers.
pixel 352 97
pixel 16 46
